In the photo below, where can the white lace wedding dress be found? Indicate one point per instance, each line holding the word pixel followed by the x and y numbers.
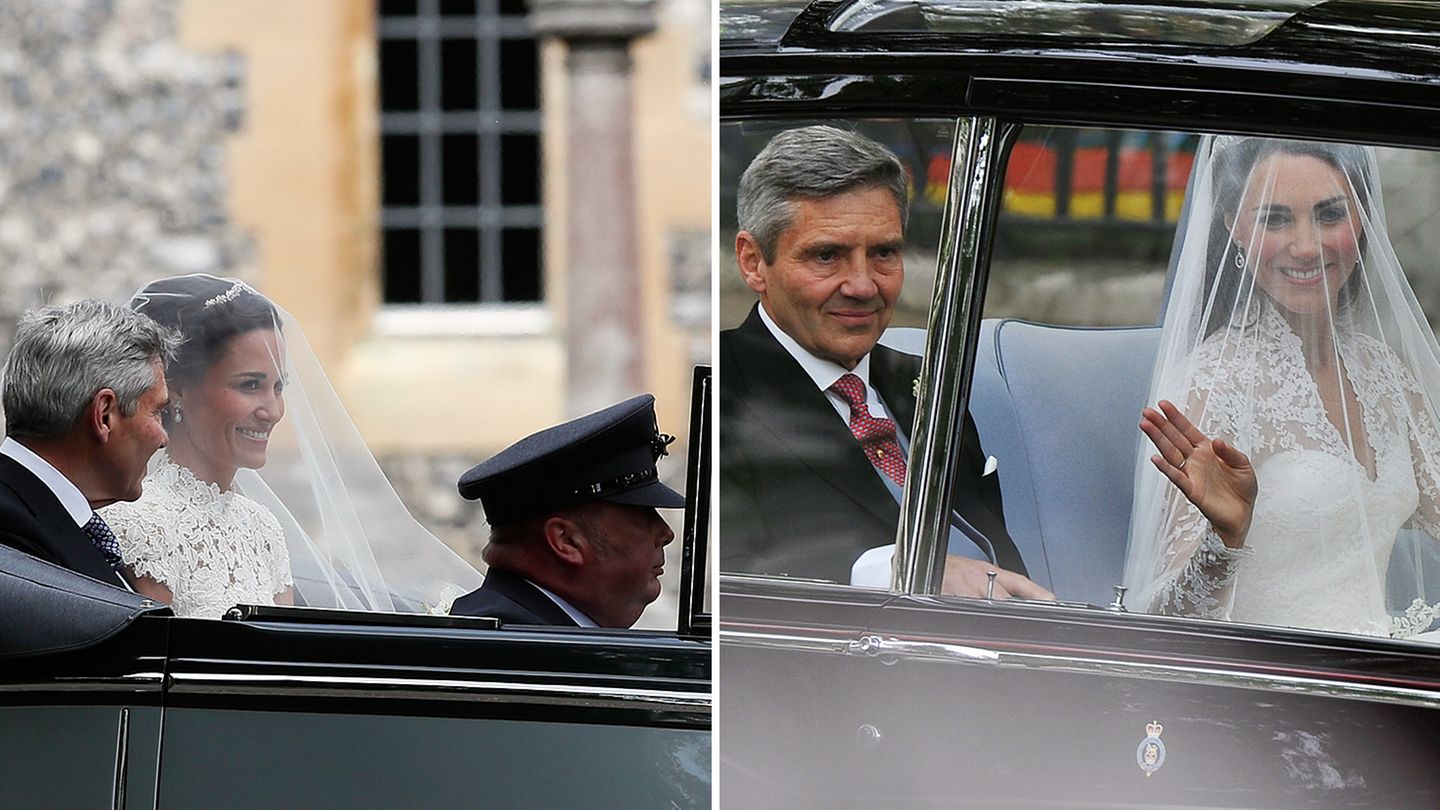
pixel 1319 546
pixel 212 549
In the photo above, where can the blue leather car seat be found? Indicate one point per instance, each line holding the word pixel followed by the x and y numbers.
pixel 1059 408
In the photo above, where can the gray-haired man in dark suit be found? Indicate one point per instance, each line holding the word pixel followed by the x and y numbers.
pixel 83 389
pixel 813 413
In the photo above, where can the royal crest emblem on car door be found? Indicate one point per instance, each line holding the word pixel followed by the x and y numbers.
pixel 1150 756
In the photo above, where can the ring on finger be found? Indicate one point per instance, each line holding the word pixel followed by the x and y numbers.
pixel 1183 461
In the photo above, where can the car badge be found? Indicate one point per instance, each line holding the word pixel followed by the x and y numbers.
pixel 1150 756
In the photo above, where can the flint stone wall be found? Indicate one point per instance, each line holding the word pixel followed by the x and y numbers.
pixel 111 152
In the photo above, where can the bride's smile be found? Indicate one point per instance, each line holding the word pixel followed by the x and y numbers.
pixel 1298 225
pixel 227 416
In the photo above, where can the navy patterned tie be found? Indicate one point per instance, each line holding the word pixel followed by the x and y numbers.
pixel 104 539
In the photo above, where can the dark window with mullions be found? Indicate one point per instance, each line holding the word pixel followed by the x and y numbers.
pixel 460 152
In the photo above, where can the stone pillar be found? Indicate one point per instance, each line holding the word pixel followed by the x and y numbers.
pixel 604 331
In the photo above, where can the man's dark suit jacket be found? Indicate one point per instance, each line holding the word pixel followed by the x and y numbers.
pixel 797 494
pixel 511 599
pixel 34 521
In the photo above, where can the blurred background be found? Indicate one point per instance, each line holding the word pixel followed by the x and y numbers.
pixel 487 216
pixel 1086 224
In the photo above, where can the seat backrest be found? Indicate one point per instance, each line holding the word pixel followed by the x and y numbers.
pixel 1059 408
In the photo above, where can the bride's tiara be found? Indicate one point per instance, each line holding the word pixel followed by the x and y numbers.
pixel 229 295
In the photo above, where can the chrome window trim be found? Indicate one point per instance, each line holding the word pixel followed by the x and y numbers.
pixel 975 188
pixel 789 642
pixel 891 650
pixel 139 682
pixel 122 753
pixel 229 683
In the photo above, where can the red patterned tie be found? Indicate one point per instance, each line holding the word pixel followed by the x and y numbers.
pixel 876 435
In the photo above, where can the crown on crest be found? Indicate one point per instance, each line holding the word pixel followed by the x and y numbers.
pixel 1153 729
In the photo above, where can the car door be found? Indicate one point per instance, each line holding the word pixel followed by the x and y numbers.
pixel 303 710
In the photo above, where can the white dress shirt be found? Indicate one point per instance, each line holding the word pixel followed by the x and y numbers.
pixel 824 373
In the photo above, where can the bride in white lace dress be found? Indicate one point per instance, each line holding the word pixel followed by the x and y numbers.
pixel 191 540
pixel 247 506
pixel 1297 418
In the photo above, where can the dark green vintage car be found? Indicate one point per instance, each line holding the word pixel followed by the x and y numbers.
pixel 1049 146
pixel 106 700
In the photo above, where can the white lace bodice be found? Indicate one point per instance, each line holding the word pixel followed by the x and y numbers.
pixel 212 549
pixel 1319 546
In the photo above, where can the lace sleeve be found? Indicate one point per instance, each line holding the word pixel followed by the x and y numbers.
pixel 1420 614
pixel 269 557
pixel 1204 584
pixel 144 543
pixel 1407 411
pixel 1196 569
pixel 278 554
pixel 1425 451
pixel 1424 441
pixel 1425 447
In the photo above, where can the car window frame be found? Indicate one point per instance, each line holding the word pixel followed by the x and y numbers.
pixel 972 205
pixel 808 84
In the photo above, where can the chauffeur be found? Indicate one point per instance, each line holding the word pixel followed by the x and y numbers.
pixel 575 539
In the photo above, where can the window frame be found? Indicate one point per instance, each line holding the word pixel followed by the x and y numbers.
pixel 489 122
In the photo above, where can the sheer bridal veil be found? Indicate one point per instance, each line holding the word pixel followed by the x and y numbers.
pixel 352 542
pixel 1292 333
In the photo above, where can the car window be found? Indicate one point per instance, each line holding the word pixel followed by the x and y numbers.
pixel 1086 224
pixel 800 495
pixel 1106 293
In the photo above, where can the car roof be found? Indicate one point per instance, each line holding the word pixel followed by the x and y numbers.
pixel 1361 70
pixel 1395 37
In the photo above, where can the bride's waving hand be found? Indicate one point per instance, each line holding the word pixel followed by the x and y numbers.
pixel 1210 473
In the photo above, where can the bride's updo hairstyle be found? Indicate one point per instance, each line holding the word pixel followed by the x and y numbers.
pixel 1234 161
pixel 207 312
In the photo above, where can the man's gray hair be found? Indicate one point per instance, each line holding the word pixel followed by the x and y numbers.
pixel 809 163
pixel 63 355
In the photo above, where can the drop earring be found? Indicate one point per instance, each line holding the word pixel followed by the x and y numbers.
pixel 1239 256
pixel 178 416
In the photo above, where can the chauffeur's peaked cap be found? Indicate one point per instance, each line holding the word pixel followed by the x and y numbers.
pixel 608 455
